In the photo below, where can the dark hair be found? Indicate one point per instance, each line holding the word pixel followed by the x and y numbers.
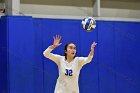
pixel 65 49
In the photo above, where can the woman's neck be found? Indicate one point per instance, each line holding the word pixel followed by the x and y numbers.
pixel 69 59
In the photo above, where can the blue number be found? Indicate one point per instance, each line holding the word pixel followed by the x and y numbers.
pixel 68 72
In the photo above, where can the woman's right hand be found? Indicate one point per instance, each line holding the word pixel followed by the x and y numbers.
pixel 56 41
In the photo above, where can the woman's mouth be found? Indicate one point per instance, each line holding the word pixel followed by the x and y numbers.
pixel 73 53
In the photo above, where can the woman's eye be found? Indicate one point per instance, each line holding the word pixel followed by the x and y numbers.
pixel 72 48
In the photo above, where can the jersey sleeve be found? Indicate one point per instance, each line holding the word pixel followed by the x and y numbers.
pixel 54 57
pixel 84 60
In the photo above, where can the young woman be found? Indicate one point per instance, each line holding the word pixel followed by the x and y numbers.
pixel 69 66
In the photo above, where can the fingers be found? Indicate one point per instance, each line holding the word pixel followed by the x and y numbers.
pixel 93 45
pixel 60 37
pixel 57 37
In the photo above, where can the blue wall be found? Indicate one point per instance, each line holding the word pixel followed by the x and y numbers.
pixel 114 68
pixel 3 56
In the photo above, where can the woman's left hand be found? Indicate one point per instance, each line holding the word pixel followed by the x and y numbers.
pixel 93 45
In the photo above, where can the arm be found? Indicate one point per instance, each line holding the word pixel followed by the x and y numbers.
pixel 47 53
pixel 91 53
pixel 85 60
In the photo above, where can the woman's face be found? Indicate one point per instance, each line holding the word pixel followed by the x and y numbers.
pixel 71 50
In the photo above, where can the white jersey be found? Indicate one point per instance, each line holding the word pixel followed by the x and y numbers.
pixel 67 81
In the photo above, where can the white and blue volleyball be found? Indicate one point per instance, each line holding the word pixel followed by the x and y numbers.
pixel 88 24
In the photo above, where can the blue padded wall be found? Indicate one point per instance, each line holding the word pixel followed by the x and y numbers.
pixel 38 64
pixel 106 56
pixel 127 57
pixel 20 52
pixel 118 57
pixel 114 68
pixel 3 56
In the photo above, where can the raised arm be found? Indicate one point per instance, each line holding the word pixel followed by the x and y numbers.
pixel 85 60
pixel 91 53
pixel 47 53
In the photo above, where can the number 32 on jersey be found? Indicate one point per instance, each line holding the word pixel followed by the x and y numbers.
pixel 69 72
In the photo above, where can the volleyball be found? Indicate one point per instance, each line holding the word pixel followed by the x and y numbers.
pixel 88 24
